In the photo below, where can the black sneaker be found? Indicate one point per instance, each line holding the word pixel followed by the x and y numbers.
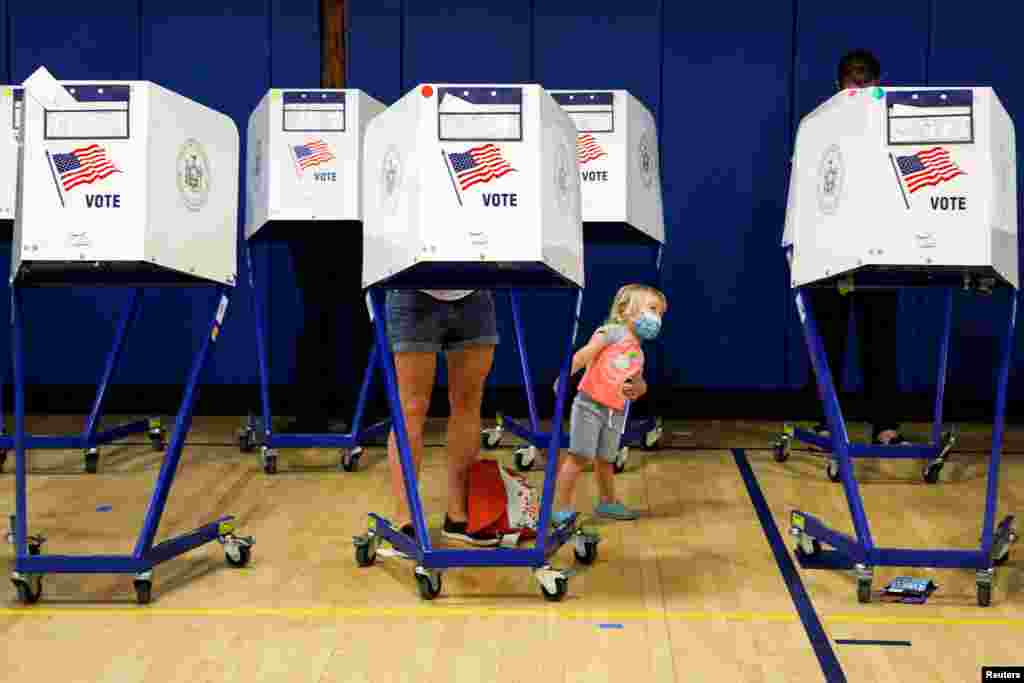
pixel 456 531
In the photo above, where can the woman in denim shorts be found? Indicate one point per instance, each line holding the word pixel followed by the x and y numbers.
pixel 461 324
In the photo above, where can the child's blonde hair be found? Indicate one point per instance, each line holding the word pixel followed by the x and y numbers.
pixel 626 301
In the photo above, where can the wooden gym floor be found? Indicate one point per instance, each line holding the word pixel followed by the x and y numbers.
pixel 690 592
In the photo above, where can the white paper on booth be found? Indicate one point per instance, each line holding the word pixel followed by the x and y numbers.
pixel 46 90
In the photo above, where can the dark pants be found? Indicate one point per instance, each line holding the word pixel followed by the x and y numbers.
pixel 876 329
pixel 333 346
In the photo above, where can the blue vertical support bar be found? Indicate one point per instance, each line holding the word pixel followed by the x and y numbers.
pixel 547 499
pixel 181 427
pixel 834 415
pixel 364 390
pixel 20 467
pixel 387 358
pixel 259 313
pixel 513 298
pixel 992 490
pixel 940 383
pixel 128 317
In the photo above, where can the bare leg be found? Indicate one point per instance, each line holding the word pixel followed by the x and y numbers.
pixel 415 383
pixel 565 486
pixel 467 373
pixel 604 472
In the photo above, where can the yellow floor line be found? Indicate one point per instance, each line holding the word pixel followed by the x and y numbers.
pixel 430 612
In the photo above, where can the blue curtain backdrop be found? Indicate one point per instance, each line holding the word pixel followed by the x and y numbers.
pixel 727 84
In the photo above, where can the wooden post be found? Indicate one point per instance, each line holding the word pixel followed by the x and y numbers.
pixel 332 36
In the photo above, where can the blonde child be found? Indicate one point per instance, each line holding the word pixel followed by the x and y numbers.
pixel 614 365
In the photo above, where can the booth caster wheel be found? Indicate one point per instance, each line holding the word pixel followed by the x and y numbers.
pixel 429 582
pixel 985 577
pixel 864 578
pixel 1005 536
pixel 782 449
pixel 366 550
pixel 237 549
pixel 525 457
pixel 92 460
pixel 652 439
pixel 350 459
pixel 247 440
pixel 832 470
pixel 554 584
pixel 157 435
pixel 931 472
pixel 143 588
pixel 585 548
pixel 3 458
pixel 491 438
pixel 29 587
pixel 620 461
pixel 269 460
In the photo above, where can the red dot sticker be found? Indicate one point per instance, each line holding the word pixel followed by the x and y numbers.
pixel 427 91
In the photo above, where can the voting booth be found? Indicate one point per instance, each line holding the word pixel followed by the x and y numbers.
pixel 620 185
pixel 472 187
pixel 904 178
pixel 304 156
pixel 120 183
pixel 472 179
pixel 902 187
pixel 303 168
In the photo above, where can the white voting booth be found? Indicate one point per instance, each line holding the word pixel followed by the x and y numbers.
pixel 617 151
pixel 304 167
pixel 904 177
pixel 129 175
pixel 304 156
pixel 11 99
pixel 481 174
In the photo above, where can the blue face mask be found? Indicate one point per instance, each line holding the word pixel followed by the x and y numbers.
pixel 648 325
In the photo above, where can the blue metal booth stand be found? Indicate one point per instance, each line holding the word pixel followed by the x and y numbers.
pixel 30 565
pixel 430 562
pixel 862 554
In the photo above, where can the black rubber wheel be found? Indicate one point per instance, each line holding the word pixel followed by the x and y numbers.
pixel 832 470
pixel 244 553
pixel 270 464
pixel 815 550
pixel 522 464
pixel 863 591
pixel 781 452
pixel 931 473
pixel 34 549
pixel 984 594
pixel 92 462
pixel 428 589
pixel 246 442
pixel 589 554
pixel 365 557
pixel 488 441
pixel 27 595
pixel 157 441
pixel 350 462
pixel 143 591
pixel 561 588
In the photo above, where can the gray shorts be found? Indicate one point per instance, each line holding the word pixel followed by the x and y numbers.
pixel 595 430
pixel 419 322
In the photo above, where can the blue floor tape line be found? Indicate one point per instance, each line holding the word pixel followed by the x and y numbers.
pixel 847 641
pixel 815 632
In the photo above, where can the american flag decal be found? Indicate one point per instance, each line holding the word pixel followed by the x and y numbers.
pixel 312 153
pixel 587 148
pixel 928 168
pixel 83 166
pixel 479 165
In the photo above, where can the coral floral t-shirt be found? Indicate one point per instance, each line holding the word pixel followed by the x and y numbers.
pixel 620 360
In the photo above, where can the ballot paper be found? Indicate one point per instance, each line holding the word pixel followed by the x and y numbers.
pixel 45 89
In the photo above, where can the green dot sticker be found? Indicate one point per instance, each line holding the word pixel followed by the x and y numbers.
pixel 877 92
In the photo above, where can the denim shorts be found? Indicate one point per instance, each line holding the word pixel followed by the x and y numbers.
pixel 595 430
pixel 419 322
